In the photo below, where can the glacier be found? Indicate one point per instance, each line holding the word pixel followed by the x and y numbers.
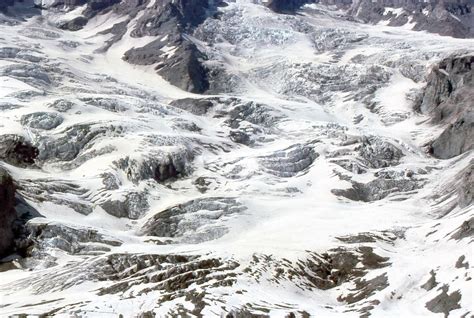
pixel 319 167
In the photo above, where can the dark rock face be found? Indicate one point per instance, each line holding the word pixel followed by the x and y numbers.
pixel 58 3
pixel 181 65
pixel 456 139
pixel 448 98
pixel 166 171
pixel 450 17
pixel 287 6
pixel 181 14
pixel 93 6
pixel 466 230
pixel 178 59
pixel 290 6
pixel 16 151
pixel 7 212
pixel 444 302
pixel 75 24
pixel 452 78
pixel 431 282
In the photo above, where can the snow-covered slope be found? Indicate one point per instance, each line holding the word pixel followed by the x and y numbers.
pixel 303 186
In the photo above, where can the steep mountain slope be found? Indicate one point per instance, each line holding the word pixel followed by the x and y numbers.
pixel 447 17
pixel 326 171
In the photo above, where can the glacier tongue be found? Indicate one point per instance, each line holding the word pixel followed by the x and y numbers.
pixel 299 183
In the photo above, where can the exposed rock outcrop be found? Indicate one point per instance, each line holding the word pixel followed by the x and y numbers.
pixel 444 302
pixel 445 17
pixel 7 212
pixel 450 18
pixel 174 55
pixel 74 25
pixel 15 150
pixel 285 6
pixel 290 6
pixel 448 98
pixel 190 76
pixel 465 230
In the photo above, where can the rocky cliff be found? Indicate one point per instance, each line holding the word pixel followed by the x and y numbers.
pixel 174 55
pixel 7 212
pixel 449 99
pixel 451 18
